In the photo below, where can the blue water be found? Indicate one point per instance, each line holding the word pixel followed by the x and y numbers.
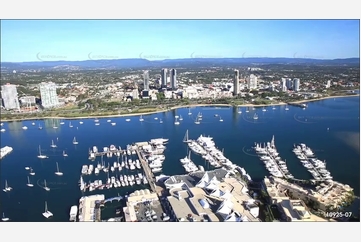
pixel 330 127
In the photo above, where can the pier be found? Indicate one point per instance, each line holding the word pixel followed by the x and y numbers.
pixel 147 171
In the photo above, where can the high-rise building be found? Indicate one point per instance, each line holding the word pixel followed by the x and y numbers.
pixel 236 83
pixel 289 83
pixel 173 79
pixel 252 82
pixel 9 95
pixel 296 84
pixel 284 84
pixel 49 98
pixel 146 80
pixel 164 78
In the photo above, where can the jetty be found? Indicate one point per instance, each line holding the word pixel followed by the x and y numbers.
pixel 147 171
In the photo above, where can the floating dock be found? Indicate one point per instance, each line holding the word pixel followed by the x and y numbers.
pixel 147 171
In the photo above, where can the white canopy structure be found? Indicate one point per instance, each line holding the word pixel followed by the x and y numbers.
pixel 233 218
pixel 217 193
pixel 212 184
pixel 226 195
pixel 225 209
pixel 204 181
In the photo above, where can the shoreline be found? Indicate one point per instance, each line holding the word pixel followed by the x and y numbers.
pixel 177 107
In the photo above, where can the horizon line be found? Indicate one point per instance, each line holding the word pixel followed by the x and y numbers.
pixel 186 58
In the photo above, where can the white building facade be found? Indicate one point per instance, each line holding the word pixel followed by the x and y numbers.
pixel 49 97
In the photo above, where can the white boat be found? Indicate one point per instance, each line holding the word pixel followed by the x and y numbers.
pixel 4 219
pixel 40 156
pixel 161 121
pixel 156 170
pixel 81 122
pixel 264 109
pixel 186 138
pixel 65 154
pixel 25 128
pixel 180 118
pixel 47 213
pixel 3 130
pixel 141 119
pixel 197 121
pixel 58 173
pixel 5 151
pixel 97 124
pixel 7 188
pixel 70 125
pixel 239 111
pixel 255 116
pixel 176 121
pixel 46 188
pixel 286 108
pixel 40 127
pixel 113 124
pixel 27 168
pixel 29 184
pixel 128 120
pixel 189 111
pixel 108 121
pixel 62 123
pixel 33 123
pixel 220 119
pixel 53 145
pixel 156 118
pixel 73 213
pixel 75 142
pixel 31 173
pixel 2 124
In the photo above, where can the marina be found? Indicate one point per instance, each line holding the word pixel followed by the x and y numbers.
pixel 315 167
pixel 270 157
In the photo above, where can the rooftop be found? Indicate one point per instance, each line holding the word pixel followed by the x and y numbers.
pixel 87 207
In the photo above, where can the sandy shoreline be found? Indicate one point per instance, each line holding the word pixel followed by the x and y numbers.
pixel 176 107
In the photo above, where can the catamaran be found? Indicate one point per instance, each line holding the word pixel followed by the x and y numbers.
pixel 65 154
pixel 47 213
pixel 176 121
pixel 45 186
pixel 29 184
pixel 58 173
pixel 7 188
pixel 53 145
pixel 40 156
pixel 75 142
pixel 141 119
pixel 4 219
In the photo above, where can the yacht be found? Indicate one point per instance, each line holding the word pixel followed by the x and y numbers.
pixel 27 168
pixel 141 119
pixel 81 122
pixel 286 108
pixel 7 188
pixel 31 173
pixel 239 111
pixel 25 128
pixel 3 130
pixel 156 118
pixel 128 120
pixel 47 213
pixel 46 188
pixel 61 123
pixel 161 121
pixel 108 121
pixel 70 125
pixel 96 120
pixel 65 154
pixel 97 124
pixel 113 124
pixel 176 121
pixel 53 145
pixel 40 127
pixel 264 109
pixel 73 213
pixel 58 173
pixel 4 219
pixel 197 121
pixel 189 111
pixel 247 110
pixel 29 184
pixel 255 116
pixel 274 108
pixel 220 119
pixel 180 118
pixel 75 142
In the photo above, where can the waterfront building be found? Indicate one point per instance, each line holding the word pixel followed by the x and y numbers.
pixel 173 79
pixel 289 83
pixel 252 82
pixel 296 84
pixel 49 97
pixel 146 80
pixel 164 78
pixel 236 83
pixel 284 84
pixel 9 96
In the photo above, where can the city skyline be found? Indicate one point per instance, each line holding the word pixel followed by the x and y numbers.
pixel 77 40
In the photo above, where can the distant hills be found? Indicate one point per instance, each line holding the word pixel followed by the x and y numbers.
pixel 189 62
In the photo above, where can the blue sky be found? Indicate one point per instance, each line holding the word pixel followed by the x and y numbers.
pixel 49 40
